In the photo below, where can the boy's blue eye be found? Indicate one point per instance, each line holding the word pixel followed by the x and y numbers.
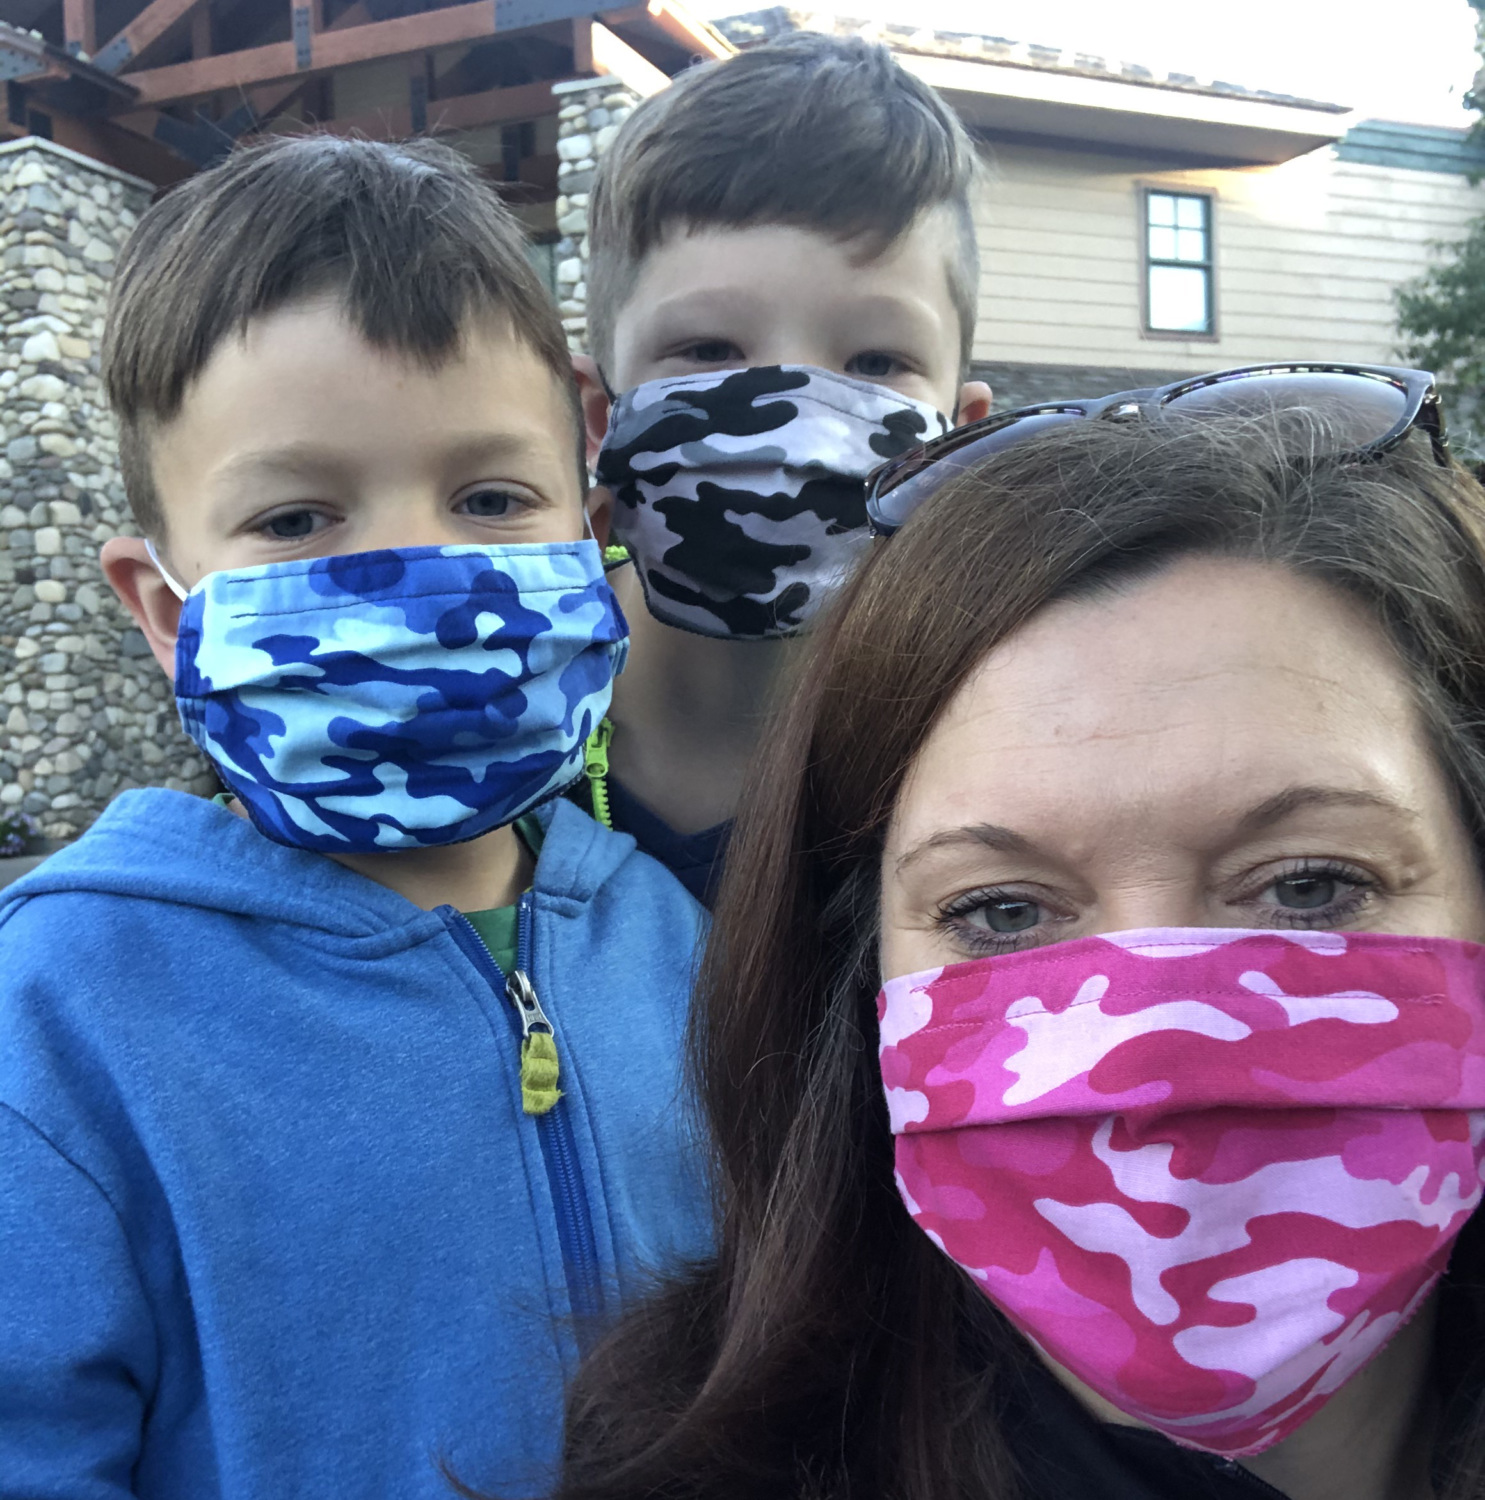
pixel 712 351
pixel 873 365
pixel 488 503
pixel 291 525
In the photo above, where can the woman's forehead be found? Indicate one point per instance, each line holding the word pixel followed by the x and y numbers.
pixel 1216 683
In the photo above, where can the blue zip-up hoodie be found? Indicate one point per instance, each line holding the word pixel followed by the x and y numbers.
pixel 272 1221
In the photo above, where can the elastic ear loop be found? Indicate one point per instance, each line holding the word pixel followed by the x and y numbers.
pixel 163 571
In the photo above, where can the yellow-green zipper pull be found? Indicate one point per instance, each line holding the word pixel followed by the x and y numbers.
pixel 595 767
pixel 539 1064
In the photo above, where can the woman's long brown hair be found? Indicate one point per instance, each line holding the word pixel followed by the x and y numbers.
pixel 829 1350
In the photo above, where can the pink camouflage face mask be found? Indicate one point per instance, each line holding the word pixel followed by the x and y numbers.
pixel 1210 1172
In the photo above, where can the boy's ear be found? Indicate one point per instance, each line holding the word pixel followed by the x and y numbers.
pixel 975 398
pixel 595 402
pixel 600 513
pixel 137 582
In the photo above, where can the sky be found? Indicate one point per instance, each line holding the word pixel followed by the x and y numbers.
pixel 1401 60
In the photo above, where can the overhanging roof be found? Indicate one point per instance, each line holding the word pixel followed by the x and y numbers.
pixel 1014 88
pixel 1115 112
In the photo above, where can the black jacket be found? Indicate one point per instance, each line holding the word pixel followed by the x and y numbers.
pixel 1065 1454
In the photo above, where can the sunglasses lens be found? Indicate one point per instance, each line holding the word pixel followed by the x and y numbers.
pixel 1357 410
pixel 906 489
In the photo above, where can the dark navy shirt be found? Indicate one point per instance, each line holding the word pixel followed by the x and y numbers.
pixel 695 859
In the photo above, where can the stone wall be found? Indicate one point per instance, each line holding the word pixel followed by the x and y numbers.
pixel 589 115
pixel 84 710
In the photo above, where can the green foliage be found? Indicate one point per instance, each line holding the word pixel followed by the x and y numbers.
pixel 1441 314
pixel 1441 317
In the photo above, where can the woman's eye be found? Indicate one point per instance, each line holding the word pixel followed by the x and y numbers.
pixel 293 525
pixel 1306 892
pixel 873 365
pixel 490 503
pixel 995 921
pixel 1006 916
pixel 1321 896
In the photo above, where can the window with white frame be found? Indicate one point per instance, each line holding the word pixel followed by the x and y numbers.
pixel 1178 263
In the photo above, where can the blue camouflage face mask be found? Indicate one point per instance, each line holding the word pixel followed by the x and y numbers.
pixel 399 699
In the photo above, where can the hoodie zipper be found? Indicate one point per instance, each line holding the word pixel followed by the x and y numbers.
pixel 559 1153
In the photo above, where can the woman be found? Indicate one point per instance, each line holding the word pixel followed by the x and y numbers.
pixel 1181 673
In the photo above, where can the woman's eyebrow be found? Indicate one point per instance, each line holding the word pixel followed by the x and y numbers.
pixel 977 835
pixel 1303 798
pixel 1003 840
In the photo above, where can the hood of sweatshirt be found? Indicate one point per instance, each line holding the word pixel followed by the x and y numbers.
pixel 169 846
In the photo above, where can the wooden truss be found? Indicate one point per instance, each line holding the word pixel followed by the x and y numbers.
pixel 165 86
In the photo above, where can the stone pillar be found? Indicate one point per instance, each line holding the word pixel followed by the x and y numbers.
pixel 84 709
pixel 590 111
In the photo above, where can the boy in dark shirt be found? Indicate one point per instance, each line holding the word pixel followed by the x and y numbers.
pixel 788 234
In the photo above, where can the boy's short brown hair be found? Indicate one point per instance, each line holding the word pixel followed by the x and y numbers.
pixel 821 132
pixel 411 237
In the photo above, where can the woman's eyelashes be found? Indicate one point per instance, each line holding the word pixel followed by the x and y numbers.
pixel 997 919
pixel 1317 893
pixel 1304 893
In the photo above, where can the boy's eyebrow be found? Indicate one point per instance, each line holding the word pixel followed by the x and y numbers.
pixel 897 315
pixel 706 302
pixel 298 459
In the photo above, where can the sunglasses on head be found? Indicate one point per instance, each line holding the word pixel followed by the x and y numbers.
pixel 1371 408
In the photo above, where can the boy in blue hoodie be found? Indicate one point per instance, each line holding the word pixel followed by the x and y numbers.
pixel 335 1115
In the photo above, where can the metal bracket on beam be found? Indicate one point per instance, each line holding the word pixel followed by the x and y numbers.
pixel 303 37
pixel 17 64
pixel 115 55
pixel 418 100
pixel 510 15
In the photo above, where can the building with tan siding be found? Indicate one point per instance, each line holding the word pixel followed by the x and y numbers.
pixel 1304 219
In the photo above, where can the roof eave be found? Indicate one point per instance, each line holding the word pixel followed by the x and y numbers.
pixel 1208 125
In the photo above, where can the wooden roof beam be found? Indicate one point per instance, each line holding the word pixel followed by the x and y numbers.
pixel 333 48
pixel 596 49
pixel 678 23
pixel 143 32
pixel 80 27
pixel 523 101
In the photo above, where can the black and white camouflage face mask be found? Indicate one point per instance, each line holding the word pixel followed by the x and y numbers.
pixel 740 493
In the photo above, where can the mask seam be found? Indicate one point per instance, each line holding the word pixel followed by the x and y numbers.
pixel 814 372
pixel 299 567
pixel 327 607
pixel 1178 949
pixel 1433 998
pixel 762 402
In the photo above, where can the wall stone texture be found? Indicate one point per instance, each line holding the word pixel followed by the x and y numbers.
pixel 85 712
pixel 589 115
